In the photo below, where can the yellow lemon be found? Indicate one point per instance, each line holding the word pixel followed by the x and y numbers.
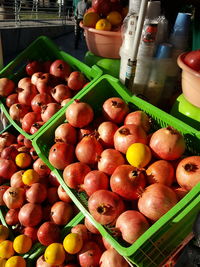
pixel 16 261
pixel 30 177
pixel 22 244
pixel 73 243
pixel 23 160
pixel 90 19
pixel 2 262
pixel 103 25
pixel 54 254
pixel 4 232
pixel 6 249
pixel 138 155
pixel 115 18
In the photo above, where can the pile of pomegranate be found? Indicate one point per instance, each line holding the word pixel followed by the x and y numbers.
pixel 93 250
pixel 36 205
pixel 37 97
pixel 91 152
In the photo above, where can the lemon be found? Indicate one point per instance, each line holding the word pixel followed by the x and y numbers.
pixel 54 254
pixel 15 261
pixel 30 177
pixel 22 244
pixel 6 249
pixel 103 25
pixel 23 160
pixel 73 243
pixel 114 17
pixel 4 233
pixel 138 155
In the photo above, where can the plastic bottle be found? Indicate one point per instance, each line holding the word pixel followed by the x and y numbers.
pixel 146 48
pixel 159 68
pixel 128 28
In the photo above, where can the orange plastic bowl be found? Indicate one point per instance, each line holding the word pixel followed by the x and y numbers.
pixel 190 82
pixel 103 43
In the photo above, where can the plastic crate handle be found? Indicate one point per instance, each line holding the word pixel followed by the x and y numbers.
pixel 185 211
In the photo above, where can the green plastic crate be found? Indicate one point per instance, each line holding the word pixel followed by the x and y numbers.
pixel 42 49
pixel 159 241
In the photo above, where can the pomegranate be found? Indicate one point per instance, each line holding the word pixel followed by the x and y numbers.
pixel 85 131
pixel 7 86
pixel 76 80
pixel 30 214
pixel 6 139
pixel 140 118
pixel 65 101
pixel 16 179
pixel 66 133
pixel 109 160
pixel 31 232
pixel 115 109
pixel 7 168
pixel 167 143
pixel 39 100
pixel 3 189
pixel 35 77
pixel 132 224
pixel 60 68
pixel 11 217
pixel 95 180
pixel 13 197
pixel 11 99
pixel 18 111
pixel 91 228
pixel 61 155
pixel 88 150
pixel 49 110
pixel 105 206
pixel 127 135
pixel 36 126
pixel 20 139
pixel 89 255
pixel 112 258
pixel 29 119
pixel 24 82
pixel 33 66
pixel 180 192
pixel 79 114
pixel 33 154
pixel 45 83
pixel 41 168
pixel 188 172
pixel 48 233
pixel 161 171
pixel 156 200
pixel 61 92
pixel 61 213
pixel 52 195
pixel 26 94
pixel 9 152
pixel 46 66
pixel 106 132
pixel 53 180
pixel 74 174
pixel 36 193
pixel 101 7
pixel 127 181
pixel 42 263
pixel 63 195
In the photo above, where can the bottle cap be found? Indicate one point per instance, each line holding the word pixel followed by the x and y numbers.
pixel 153 10
pixel 182 23
pixel 164 50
